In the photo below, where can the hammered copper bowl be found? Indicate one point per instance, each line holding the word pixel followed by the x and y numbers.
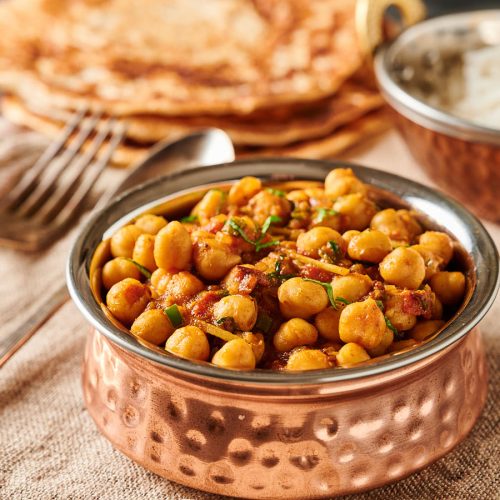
pixel 419 75
pixel 265 434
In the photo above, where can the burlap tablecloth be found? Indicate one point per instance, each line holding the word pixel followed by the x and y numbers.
pixel 50 448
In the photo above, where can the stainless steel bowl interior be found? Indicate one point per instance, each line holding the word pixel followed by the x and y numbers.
pixel 437 207
pixel 420 73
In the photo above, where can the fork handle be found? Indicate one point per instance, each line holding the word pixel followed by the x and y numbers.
pixel 16 339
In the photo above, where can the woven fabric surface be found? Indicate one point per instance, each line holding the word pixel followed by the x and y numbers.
pixel 51 449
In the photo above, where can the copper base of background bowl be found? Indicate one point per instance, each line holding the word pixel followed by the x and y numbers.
pixel 284 442
pixel 469 171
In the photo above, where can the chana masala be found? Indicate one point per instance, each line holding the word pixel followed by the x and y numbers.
pixel 301 279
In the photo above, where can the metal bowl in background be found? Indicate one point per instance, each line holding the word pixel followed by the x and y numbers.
pixel 265 434
pixel 420 75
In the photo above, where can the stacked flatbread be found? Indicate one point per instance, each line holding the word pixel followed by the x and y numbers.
pixel 282 77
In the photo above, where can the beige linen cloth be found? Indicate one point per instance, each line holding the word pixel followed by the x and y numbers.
pixel 50 447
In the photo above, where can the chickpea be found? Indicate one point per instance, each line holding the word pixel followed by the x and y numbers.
pixel 307 359
pixel 424 329
pixel 342 181
pixel 356 209
pixel 160 279
pixel 123 241
pixel 235 354
pixel 349 235
pixel 295 332
pixel 437 308
pixel 256 341
pixel 173 249
pixel 362 323
pixel 402 345
pixel 398 225
pixel 127 299
pixel 265 203
pixel 431 260
pixel 181 287
pixel 241 308
pixel 214 259
pixel 189 342
pixel 210 205
pixel 448 286
pixel 241 191
pixel 297 196
pixel 403 267
pixel 153 326
pixel 369 246
pixel 351 287
pixel 150 224
pixel 440 243
pixel 301 299
pixel 144 251
pixel 394 312
pixel 327 324
pixel 351 354
pixel 117 270
pixel 384 345
pixel 310 242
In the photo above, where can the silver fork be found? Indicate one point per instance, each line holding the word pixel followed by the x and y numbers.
pixel 47 197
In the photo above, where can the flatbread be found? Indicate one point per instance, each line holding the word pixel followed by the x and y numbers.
pixel 124 155
pixel 274 127
pixel 334 144
pixel 176 57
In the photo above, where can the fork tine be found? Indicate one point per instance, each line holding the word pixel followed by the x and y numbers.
pixel 75 170
pixel 28 180
pixel 117 135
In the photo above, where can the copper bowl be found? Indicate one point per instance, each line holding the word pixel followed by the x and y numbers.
pixel 420 75
pixel 265 434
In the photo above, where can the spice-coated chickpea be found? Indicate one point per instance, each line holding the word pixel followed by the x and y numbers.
pixel 127 299
pixel 181 287
pixel 448 286
pixel 437 308
pixel 440 243
pixel 266 203
pixel 173 248
pixel 236 354
pixel 299 298
pixel 123 241
pixel 310 242
pixel 327 323
pixel 307 359
pixel 210 205
pixel 159 280
pixel 241 191
pixel 403 267
pixel 256 341
pixel 144 251
pixel 153 326
pixel 342 181
pixel 349 235
pixel 398 225
pixel 351 354
pixel 432 262
pixel 189 342
pixel 352 286
pixel 356 209
pixel 384 345
pixel 395 313
pixel 362 323
pixel 424 329
pixel 293 333
pixel 150 224
pixel 369 246
pixel 241 308
pixel 118 269
pixel 214 259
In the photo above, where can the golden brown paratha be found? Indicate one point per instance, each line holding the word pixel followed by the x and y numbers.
pixel 273 127
pixel 176 57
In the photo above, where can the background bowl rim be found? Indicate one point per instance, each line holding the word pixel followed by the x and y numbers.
pixel 418 110
pixel 482 248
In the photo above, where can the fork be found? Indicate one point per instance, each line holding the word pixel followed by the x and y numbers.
pixel 48 196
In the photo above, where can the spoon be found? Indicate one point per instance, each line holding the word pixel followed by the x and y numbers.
pixel 203 148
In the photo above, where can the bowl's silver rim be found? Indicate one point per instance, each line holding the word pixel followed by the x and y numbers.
pixel 79 286
pixel 417 110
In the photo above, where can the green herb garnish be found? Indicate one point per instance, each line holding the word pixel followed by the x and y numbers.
pixel 235 227
pixel 391 327
pixel 337 252
pixel 329 291
pixel 264 322
pixel 190 218
pixel 141 268
pixel 323 213
pixel 277 271
pixel 174 315
pixel 276 192
pixel 267 224
pixel 265 228
pixel 380 305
